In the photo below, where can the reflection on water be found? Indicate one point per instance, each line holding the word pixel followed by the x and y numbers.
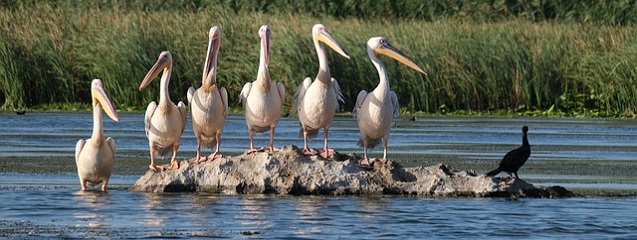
pixel 96 204
pixel 154 211
pixel 65 212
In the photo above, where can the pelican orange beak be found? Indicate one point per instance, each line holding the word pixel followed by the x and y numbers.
pixel 214 42
pixel 99 97
pixel 322 35
pixel 264 33
pixel 388 50
pixel 163 64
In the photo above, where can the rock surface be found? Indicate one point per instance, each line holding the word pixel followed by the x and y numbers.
pixel 290 172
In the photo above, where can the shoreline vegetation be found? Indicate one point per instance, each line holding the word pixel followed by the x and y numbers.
pixel 529 58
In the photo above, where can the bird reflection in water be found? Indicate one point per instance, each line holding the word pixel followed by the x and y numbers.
pixel 255 211
pixel 153 208
pixel 95 202
pixel 370 207
pixel 202 209
pixel 310 214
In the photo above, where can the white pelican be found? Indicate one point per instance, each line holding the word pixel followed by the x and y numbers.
pixel 209 103
pixel 94 157
pixel 165 122
pixel 374 110
pixel 262 99
pixel 316 101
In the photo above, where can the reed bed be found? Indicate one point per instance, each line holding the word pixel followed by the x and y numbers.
pixel 50 51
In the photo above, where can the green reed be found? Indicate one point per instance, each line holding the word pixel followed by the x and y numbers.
pixel 50 51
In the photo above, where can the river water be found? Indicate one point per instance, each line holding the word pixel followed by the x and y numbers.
pixel 595 157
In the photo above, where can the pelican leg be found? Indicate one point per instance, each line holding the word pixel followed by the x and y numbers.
pixel 217 153
pixel 198 158
pixel 152 160
pixel 173 161
pixel 83 184
pixel 326 151
pixel 306 149
pixel 271 146
pixel 385 138
pixel 251 149
pixel 104 185
pixel 365 160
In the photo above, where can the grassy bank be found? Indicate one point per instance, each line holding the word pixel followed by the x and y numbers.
pixel 50 51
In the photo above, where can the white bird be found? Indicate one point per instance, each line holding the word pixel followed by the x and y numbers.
pixel 209 103
pixel 94 157
pixel 165 122
pixel 262 99
pixel 374 110
pixel 316 101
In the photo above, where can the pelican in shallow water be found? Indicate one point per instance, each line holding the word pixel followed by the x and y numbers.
pixel 316 101
pixel 374 110
pixel 94 156
pixel 209 103
pixel 262 99
pixel 165 122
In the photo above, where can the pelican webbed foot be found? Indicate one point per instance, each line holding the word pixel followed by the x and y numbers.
pixel 263 149
pixel 252 150
pixel 211 157
pixel 366 163
pixel 326 153
pixel 174 164
pixel 310 152
pixel 214 156
pixel 272 149
pixel 159 168
pixel 155 168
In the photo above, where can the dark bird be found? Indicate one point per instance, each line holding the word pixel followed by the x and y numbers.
pixel 513 160
pixel 21 112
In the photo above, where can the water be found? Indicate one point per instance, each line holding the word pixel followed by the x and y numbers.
pixel 586 155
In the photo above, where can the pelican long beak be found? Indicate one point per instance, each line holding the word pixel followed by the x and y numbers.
pixel 264 32
pixel 391 51
pixel 325 37
pixel 214 42
pixel 99 96
pixel 162 64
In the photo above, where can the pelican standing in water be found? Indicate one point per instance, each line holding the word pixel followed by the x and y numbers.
pixel 165 122
pixel 374 111
pixel 209 103
pixel 316 101
pixel 262 99
pixel 94 157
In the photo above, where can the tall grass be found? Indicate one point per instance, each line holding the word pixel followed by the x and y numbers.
pixel 50 51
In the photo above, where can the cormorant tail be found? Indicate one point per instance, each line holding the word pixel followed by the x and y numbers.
pixel 494 172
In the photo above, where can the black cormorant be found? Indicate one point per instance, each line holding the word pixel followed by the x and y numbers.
pixel 513 160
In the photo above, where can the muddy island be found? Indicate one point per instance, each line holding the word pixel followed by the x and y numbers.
pixel 289 172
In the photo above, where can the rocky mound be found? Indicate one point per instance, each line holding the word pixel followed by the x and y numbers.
pixel 290 172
